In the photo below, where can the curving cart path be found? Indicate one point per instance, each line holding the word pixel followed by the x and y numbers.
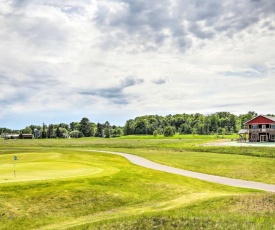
pixel 201 176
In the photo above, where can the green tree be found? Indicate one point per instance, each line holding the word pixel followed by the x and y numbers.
pixel 99 130
pixel 76 134
pixel 118 132
pixel 58 133
pixel 169 131
pixel 107 130
pixel 155 133
pixel 220 130
pixel 85 127
pixel 50 131
pixel 27 130
pixel 63 132
pixel 141 126
pixel 185 129
pixel 194 130
pixel 129 127
pixel 44 133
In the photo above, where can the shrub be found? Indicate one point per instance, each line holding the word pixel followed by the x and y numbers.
pixel 155 133
pixel 169 131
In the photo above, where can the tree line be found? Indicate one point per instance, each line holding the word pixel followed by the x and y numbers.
pixel 83 128
pixel 216 123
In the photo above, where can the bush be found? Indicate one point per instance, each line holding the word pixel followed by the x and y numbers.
pixel 155 133
pixel 76 134
pixel 169 131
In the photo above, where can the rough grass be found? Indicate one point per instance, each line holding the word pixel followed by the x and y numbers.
pixel 235 212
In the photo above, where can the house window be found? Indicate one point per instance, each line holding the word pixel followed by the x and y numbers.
pixel 272 126
pixel 272 137
pixel 254 137
pixel 255 126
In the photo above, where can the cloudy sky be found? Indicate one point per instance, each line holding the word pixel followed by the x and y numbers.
pixel 117 59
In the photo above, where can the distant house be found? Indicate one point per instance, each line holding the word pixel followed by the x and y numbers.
pixel 26 136
pixel 10 136
pixel 260 129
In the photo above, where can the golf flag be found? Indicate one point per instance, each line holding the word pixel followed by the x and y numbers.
pixel 15 158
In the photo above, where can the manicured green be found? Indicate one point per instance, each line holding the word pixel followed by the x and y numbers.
pixel 33 166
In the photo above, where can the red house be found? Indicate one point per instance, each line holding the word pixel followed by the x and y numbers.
pixel 261 129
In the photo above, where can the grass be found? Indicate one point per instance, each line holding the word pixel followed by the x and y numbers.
pixel 60 185
pixel 249 163
pixel 177 143
pixel 191 143
pixel 181 136
pixel 33 204
pixel 250 211
pixel 259 169
pixel 51 166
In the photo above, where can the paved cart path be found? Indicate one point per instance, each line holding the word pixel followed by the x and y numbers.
pixel 201 176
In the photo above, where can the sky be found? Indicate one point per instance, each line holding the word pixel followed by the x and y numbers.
pixel 114 60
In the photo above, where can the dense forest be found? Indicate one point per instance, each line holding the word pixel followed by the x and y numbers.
pixel 216 123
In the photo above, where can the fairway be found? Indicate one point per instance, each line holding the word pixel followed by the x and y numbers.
pixel 35 166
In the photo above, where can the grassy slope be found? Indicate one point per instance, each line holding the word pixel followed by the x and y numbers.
pixel 131 197
pixel 236 212
pixel 130 190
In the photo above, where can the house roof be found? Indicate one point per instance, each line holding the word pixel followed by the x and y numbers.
pixel 269 117
pixel 265 116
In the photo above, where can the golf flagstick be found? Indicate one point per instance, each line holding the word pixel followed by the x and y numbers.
pixel 15 159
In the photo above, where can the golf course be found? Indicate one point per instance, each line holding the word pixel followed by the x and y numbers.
pixel 79 184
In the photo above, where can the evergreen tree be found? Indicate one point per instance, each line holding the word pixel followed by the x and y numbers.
pixel 99 130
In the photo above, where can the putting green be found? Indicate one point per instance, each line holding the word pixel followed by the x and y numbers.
pixel 31 166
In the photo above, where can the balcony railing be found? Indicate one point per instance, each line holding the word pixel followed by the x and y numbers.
pixel 261 130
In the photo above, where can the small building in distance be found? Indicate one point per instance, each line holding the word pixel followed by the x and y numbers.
pixel 25 136
pixel 261 129
pixel 242 133
pixel 10 136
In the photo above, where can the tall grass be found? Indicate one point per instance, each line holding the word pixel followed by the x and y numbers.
pixel 236 212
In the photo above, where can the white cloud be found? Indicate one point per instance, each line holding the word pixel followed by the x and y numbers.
pixel 114 60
